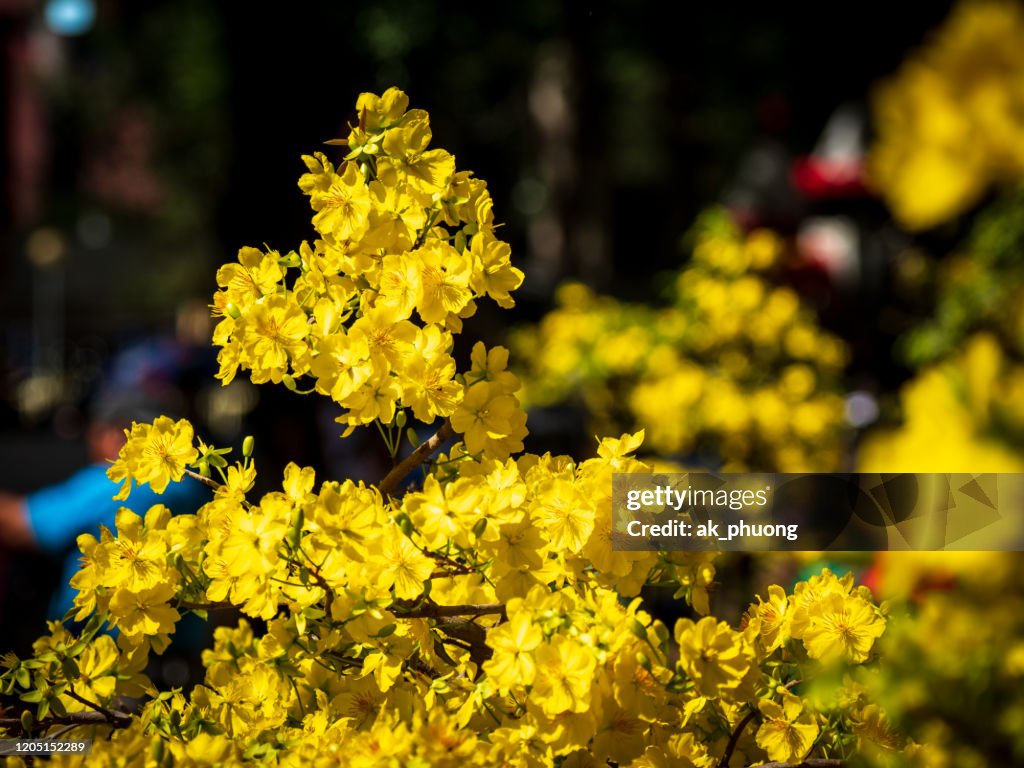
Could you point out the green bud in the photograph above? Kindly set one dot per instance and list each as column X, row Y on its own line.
column 404, row 523
column 400, row 419
column 637, row 628
column 247, row 446
column 295, row 532
column 480, row 527
column 387, row 631
column 289, row 383
column 27, row 721
column 232, row 311
column 643, row 661
column 661, row 632
column 412, row 437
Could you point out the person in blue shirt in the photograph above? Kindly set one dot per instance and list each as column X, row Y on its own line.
column 51, row 519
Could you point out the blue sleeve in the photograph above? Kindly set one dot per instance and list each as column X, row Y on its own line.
column 83, row 502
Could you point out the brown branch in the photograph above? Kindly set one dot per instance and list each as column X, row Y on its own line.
column 110, row 715
column 456, row 622
column 190, row 605
column 456, row 566
column 390, row 482
column 115, row 719
column 734, row 739
column 429, row 610
column 470, row 633
column 814, row 762
column 204, row 480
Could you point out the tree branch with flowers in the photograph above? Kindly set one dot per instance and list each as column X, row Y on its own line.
column 478, row 616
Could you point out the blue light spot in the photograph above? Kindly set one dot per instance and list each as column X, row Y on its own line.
column 70, row 17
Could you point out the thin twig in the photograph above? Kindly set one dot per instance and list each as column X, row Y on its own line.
column 390, row 482
column 814, row 762
column 190, row 605
column 111, row 716
column 120, row 720
column 204, row 480
column 430, row 610
column 734, row 739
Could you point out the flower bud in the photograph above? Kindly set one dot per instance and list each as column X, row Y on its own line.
column 637, row 628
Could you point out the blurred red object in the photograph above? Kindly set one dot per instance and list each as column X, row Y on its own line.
column 820, row 178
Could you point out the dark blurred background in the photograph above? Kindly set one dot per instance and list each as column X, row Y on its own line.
column 141, row 144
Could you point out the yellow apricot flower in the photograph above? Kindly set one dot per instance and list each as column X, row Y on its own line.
column 842, row 626
column 565, row 671
column 787, row 733
column 343, row 208
column 444, row 281
column 771, row 616
column 156, row 454
column 276, row 338
column 146, row 612
column 714, row 656
column 514, row 643
column 404, row 566
column 256, row 274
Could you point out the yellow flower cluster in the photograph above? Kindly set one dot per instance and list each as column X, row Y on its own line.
column 567, row 675
column 951, row 123
column 954, row 662
column 400, row 231
column 477, row 619
column 736, row 365
column 155, row 453
column 131, row 577
column 965, row 414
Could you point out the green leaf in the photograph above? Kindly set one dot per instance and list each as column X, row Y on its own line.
column 439, row 649
column 93, row 626
column 76, row 648
column 58, row 706
column 70, row 668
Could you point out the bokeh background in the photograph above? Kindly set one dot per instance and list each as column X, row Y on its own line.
column 672, row 184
